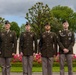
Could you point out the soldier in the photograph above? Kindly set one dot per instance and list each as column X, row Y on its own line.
column 66, row 42
column 48, row 50
column 27, row 39
column 7, row 48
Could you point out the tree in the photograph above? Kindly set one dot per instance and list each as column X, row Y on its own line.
column 15, row 27
column 22, row 28
column 65, row 13
column 38, row 15
column 1, row 23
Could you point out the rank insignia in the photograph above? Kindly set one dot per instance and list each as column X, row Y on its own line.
column 10, row 35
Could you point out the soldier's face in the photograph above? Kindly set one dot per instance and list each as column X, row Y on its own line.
column 47, row 27
column 28, row 28
column 65, row 25
column 7, row 26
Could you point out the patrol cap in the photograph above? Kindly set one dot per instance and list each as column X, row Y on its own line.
column 64, row 21
column 27, row 23
column 7, row 22
column 47, row 24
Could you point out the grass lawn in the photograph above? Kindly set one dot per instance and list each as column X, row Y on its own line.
column 17, row 67
column 38, row 69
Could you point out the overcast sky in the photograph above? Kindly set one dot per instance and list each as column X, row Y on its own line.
column 15, row 10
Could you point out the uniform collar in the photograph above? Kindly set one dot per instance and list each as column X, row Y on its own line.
column 28, row 31
column 47, row 31
column 65, row 29
column 8, row 31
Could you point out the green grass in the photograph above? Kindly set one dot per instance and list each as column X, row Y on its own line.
column 17, row 67
column 39, row 69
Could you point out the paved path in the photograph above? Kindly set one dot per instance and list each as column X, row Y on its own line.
column 37, row 73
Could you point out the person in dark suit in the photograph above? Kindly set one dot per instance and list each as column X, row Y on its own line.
column 48, row 49
column 66, row 42
column 8, row 43
column 27, row 40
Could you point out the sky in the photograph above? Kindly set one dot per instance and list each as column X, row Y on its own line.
column 15, row 10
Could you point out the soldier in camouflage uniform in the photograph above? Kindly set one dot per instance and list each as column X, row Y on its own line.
column 66, row 42
column 27, row 39
column 48, row 49
column 8, row 43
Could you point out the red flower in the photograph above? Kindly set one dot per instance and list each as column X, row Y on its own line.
column 17, row 57
column 74, row 56
column 37, row 58
column 20, row 57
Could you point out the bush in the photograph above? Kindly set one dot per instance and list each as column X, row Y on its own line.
column 36, row 64
column 17, row 61
column 16, row 64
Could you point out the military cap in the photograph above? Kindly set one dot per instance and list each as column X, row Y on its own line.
column 7, row 22
column 64, row 21
column 47, row 24
column 27, row 23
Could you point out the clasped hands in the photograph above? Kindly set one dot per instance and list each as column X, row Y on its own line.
column 65, row 50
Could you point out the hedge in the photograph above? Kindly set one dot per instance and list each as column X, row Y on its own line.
column 35, row 64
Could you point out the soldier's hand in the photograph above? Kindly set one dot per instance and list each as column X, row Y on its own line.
column 34, row 54
column 65, row 50
column 0, row 52
column 39, row 53
column 55, row 56
column 13, row 54
column 21, row 53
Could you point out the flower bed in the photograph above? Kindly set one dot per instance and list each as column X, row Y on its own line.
column 17, row 61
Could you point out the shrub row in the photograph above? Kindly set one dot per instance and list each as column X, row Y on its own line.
column 35, row 64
